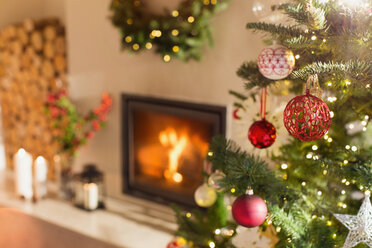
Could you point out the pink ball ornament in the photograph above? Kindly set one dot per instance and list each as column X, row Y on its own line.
column 249, row 210
column 307, row 117
column 276, row 62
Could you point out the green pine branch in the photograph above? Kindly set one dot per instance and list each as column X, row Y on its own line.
column 276, row 30
column 357, row 69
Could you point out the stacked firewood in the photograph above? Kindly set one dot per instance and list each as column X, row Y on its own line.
column 32, row 64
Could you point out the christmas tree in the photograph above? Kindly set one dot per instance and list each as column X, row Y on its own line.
column 321, row 172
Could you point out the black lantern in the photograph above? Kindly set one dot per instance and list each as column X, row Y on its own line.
column 89, row 188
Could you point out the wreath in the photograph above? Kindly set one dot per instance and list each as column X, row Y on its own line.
column 180, row 33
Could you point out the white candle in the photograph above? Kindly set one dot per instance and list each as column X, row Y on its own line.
column 41, row 175
column 23, row 173
column 90, row 196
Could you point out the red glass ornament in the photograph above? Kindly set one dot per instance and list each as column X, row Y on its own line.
column 174, row 244
column 262, row 134
column 249, row 210
column 307, row 117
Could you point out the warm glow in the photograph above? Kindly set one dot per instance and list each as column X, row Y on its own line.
column 176, row 144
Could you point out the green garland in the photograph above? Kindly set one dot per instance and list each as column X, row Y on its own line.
column 180, row 33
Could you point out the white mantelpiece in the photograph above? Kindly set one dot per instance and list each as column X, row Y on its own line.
column 132, row 223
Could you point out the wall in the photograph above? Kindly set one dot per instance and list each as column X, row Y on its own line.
column 96, row 64
column 14, row 11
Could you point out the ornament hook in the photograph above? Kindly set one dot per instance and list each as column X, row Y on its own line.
column 312, row 86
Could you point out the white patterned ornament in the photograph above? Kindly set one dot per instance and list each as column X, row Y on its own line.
column 276, row 62
column 360, row 225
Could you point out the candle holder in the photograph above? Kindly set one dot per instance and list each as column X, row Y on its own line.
column 89, row 189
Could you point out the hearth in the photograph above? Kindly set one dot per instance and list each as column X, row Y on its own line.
column 164, row 146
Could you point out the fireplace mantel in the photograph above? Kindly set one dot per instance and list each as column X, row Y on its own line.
column 129, row 223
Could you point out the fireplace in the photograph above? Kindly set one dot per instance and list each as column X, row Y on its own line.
column 164, row 146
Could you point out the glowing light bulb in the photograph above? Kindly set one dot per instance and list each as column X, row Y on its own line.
column 313, row 37
column 175, row 13
column 284, row 166
column 211, row 244
column 354, row 148
column 347, row 147
column 297, row 56
column 175, row 32
column 303, row 184
column 190, row 19
column 314, row 147
column 343, row 192
column 166, row 58
column 332, row 98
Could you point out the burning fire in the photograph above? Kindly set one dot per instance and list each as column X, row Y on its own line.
column 176, row 144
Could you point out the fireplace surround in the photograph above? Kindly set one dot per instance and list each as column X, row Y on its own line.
column 164, row 144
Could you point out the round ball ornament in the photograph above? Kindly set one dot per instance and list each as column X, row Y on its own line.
column 178, row 242
column 205, row 196
column 215, row 179
column 307, row 117
column 249, row 210
column 262, row 134
column 174, row 244
column 276, row 62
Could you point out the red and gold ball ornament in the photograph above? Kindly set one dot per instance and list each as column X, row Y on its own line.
column 249, row 210
column 276, row 62
column 307, row 117
column 262, row 134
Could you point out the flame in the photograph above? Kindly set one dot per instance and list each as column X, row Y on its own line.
column 176, row 145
